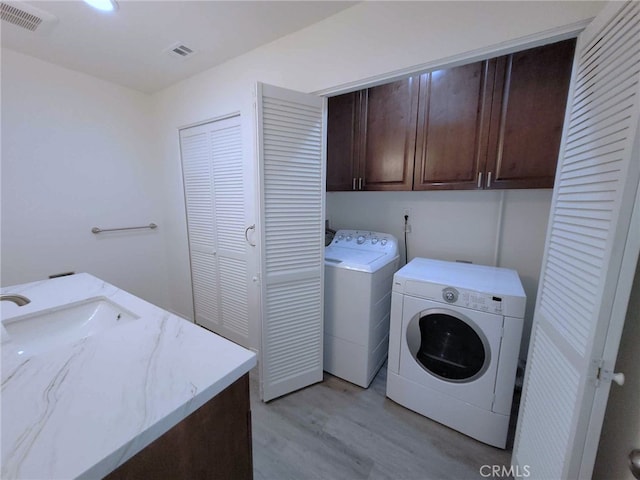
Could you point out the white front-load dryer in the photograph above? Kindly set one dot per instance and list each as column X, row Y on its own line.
column 454, row 342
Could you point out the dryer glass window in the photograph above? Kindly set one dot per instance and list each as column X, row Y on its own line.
column 450, row 348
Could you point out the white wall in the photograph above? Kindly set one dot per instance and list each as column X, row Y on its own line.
column 357, row 46
column 77, row 152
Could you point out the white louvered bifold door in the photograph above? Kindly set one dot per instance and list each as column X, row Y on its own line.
column 213, row 175
column 291, row 157
column 590, row 222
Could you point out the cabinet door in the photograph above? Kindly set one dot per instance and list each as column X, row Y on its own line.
column 529, row 101
column 388, row 135
column 342, row 144
column 453, row 120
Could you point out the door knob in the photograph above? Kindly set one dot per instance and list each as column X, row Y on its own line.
column 634, row 462
column 618, row 378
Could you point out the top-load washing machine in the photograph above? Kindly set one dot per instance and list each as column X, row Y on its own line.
column 359, row 268
column 454, row 344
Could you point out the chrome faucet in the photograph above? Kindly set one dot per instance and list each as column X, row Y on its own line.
column 17, row 299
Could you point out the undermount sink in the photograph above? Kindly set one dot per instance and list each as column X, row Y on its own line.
column 38, row 332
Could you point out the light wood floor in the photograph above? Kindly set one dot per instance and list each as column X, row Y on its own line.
column 335, row 430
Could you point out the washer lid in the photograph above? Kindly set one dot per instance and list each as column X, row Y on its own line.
column 355, row 259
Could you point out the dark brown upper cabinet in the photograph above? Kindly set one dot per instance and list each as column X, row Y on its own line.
column 389, row 115
column 453, row 125
column 485, row 125
column 529, row 101
column 343, row 169
column 371, row 138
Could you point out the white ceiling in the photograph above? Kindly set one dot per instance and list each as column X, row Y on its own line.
column 128, row 47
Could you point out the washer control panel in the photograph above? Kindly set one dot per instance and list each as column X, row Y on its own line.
column 474, row 300
column 366, row 240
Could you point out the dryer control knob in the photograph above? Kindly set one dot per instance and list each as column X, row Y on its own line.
column 383, row 242
column 361, row 239
column 374, row 240
column 349, row 238
column 450, row 295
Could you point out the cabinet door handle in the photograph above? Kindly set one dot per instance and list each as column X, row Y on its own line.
column 360, row 183
column 489, row 180
column 479, row 179
column 354, row 184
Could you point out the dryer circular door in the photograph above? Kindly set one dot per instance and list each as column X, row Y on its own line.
column 448, row 345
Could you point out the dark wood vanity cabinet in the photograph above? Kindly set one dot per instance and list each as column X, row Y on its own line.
column 213, row 443
column 371, row 138
column 527, row 115
column 485, row 125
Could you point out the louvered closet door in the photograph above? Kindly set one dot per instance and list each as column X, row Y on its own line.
column 215, row 200
column 588, row 234
column 291, row 154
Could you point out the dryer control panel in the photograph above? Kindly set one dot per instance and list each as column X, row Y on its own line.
column 493, row 290
column 460, row 297
column 473, row 300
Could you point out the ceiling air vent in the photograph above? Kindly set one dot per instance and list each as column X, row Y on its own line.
column 27, row 17
column 178, row 50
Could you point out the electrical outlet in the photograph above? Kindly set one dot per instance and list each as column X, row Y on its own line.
column 406, row 216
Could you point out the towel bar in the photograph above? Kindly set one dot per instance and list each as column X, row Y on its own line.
column 97, row 230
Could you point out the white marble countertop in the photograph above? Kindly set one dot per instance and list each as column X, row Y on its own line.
column 81, row 410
